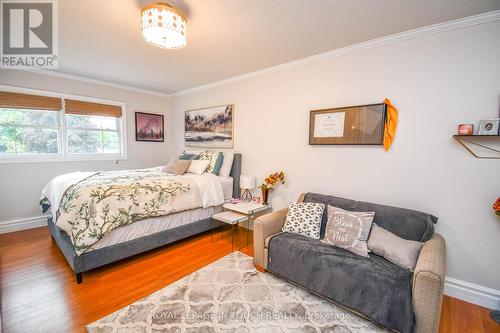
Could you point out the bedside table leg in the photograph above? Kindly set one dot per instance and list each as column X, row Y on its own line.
column 249, row 223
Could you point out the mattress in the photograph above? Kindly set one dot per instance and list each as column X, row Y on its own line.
column 154, row 225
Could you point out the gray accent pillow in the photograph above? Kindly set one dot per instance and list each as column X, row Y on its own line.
column 397, row 250
column 348, row 230
column 304, row 218
column 178, row 167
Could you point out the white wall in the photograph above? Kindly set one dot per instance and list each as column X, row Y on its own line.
column 436, row 82
column 21, row 183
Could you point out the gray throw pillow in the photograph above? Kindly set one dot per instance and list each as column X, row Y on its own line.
column 304, row 218
column 397, row 250
column 178, row 167
column 348, row 230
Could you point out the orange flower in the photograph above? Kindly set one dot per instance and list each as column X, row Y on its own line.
column 496, row 206
column 272, row 180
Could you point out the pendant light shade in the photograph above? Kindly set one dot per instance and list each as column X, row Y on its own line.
column 163, row 26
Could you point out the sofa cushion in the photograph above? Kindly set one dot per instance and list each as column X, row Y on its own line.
column 328, row 200
column 405, row 223
column 268, row 239
column 373, row 287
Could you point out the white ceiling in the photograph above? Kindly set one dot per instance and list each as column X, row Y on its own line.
column 101, row 39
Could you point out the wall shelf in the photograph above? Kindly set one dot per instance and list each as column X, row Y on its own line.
column 481, row 146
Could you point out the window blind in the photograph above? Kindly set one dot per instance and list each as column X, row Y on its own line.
column 26, row 101
column 92, row 109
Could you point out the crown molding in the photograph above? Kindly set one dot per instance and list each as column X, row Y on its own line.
column 410, row 34
column 95, row 81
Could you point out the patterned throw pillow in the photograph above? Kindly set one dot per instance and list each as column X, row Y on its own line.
column 348, row 230
column 304, row 218
column 215, row 159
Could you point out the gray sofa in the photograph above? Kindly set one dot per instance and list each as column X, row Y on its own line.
column 382, row 292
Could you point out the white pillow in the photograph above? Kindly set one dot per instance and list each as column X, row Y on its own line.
column 304, row 218
column 198, row 166
column 227, row 164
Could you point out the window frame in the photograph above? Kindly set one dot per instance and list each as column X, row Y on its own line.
column 64, row 154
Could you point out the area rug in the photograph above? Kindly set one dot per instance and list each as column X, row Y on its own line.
column 230, row 296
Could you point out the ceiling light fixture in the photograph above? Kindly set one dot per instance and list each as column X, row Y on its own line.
column 163, row 26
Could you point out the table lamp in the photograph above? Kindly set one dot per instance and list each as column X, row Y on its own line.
column 247, row 183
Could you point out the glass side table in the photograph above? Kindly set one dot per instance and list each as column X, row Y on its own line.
column 243, row 212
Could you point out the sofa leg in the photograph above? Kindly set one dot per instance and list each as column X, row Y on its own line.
column 79, row 278
column 260, row 269
column 52, row 237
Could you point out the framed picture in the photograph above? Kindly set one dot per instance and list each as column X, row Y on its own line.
column 149, row 127
column 209, row 127
column 351, row 125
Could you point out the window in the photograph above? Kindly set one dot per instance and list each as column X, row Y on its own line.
column 43, row 128
column 29, row 132
column 93, row 134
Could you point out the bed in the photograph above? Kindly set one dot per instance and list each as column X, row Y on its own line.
column 144, row 234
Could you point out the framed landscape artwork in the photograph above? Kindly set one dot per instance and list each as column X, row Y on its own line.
column 149, row 127
column 209, row 127
column 351, row 125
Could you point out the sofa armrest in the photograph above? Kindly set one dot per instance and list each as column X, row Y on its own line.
column 428, row 284
column 265, row 226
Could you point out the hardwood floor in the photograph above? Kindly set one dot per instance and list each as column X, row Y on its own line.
column 39, row 292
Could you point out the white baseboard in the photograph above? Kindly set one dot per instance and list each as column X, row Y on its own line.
column 22, row 224
column 472, row 293
column 466, row 291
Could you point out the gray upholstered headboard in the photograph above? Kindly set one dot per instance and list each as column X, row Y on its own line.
column 235, row 173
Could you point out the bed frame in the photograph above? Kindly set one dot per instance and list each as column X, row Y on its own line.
column 113, row 253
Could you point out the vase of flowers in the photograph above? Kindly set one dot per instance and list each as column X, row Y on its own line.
column 269, row 183
column 496, row 206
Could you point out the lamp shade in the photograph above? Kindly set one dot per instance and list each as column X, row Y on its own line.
column 163, row 26
column 247, row 182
